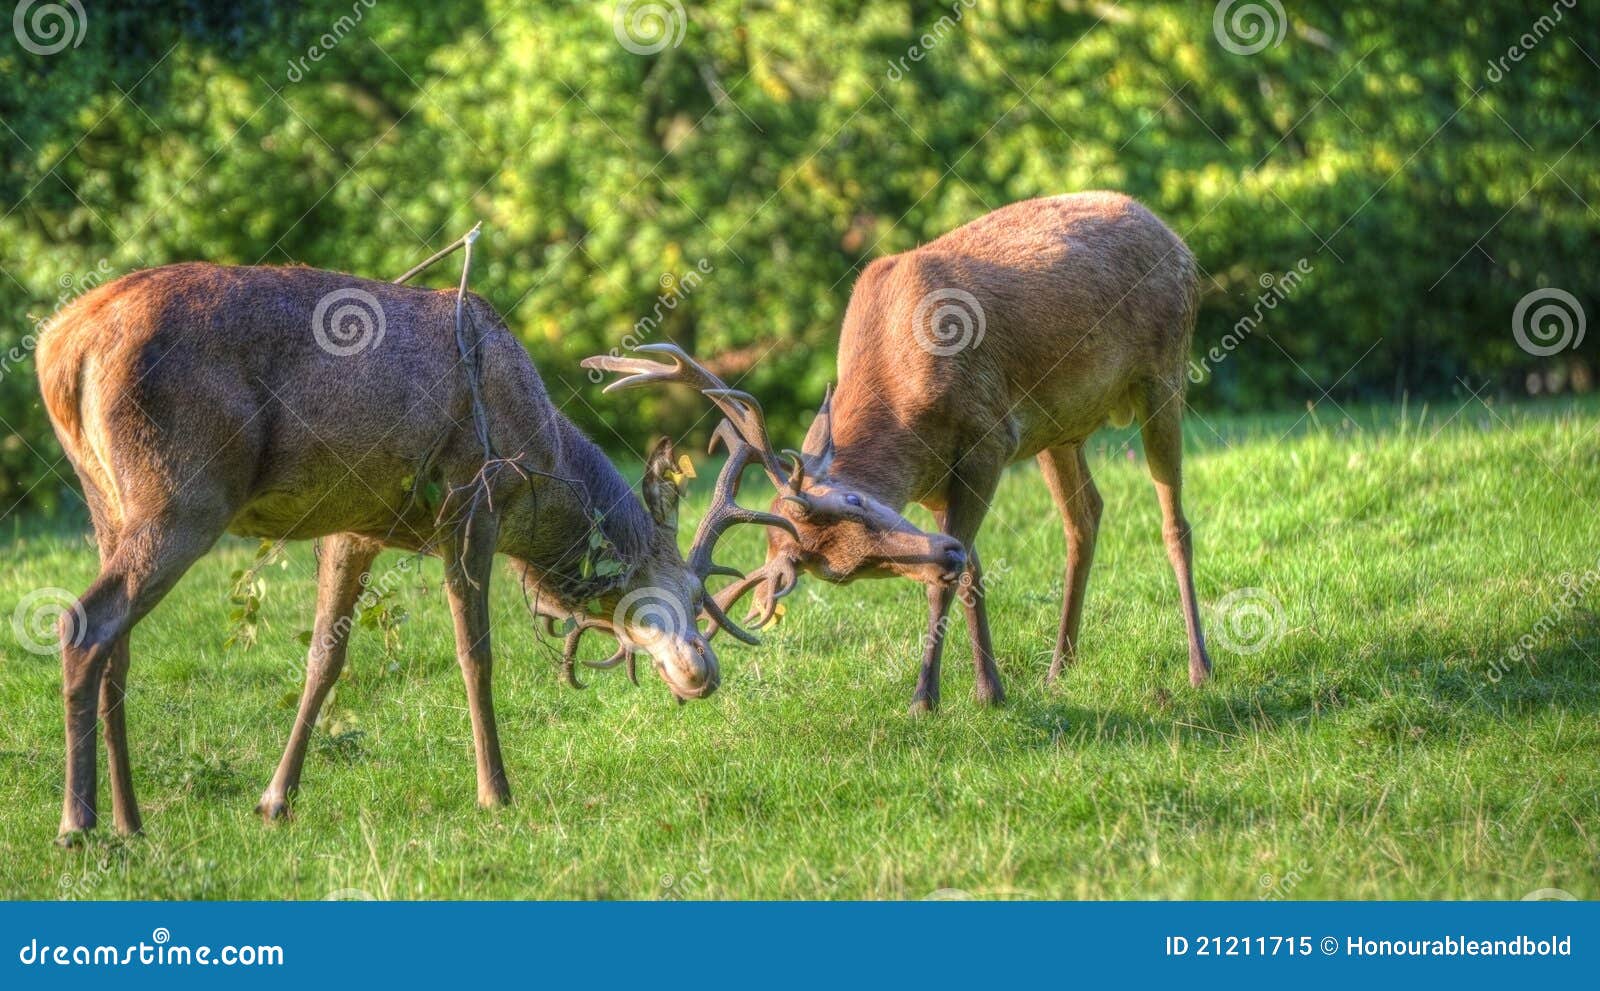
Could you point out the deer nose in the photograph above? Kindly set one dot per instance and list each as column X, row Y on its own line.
column 954, row 559
column 697, row 674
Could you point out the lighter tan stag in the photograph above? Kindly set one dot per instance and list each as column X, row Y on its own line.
column 291, row 403
column 1018, row 335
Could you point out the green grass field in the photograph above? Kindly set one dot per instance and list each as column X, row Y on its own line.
column 1379, row 743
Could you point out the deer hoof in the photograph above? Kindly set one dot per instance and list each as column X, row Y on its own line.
column 989, row 696
column 923, row 706
column 1199, row 671
column 69, row 839
column 273, row 808
column 494, row 799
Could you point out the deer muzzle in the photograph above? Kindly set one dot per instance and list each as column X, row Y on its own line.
column 687, row 664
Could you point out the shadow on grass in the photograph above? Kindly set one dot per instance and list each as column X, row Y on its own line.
column 1394, row 695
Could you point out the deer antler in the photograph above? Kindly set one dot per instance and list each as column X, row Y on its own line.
column 740, row 408
column 569, row 652
column 778, row 575
column 743, row 432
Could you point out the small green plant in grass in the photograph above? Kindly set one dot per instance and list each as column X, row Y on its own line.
column 248, row 592
column 383, row 611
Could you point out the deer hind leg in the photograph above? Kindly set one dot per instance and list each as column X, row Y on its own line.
column 343, row 564
column 1066, row 472
column 468, row 563
column 1163, row 448
column 113, row 686
column 151, row 554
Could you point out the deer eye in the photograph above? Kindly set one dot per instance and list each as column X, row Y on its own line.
column 853, row 499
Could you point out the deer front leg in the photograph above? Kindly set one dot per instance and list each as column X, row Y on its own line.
column 343, row 564
column 926, row 698
column 467, row 569
column 970, row 490
column 985, row 673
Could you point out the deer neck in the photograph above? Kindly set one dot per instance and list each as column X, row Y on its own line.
column 873, row 452
column 572, row 516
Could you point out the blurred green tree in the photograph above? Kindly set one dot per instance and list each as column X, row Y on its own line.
column 715, row 173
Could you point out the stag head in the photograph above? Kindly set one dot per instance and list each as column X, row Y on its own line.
column 842, row 532
column 649, row 605
column 817, row 523
column 743, row 433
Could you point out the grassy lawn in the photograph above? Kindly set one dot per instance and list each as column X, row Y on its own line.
column 1370, row 738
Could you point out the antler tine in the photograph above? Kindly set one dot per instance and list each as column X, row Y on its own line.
column 725, row 511
column 720, row 621
column 569, row 651
column 745, row 414
column 741, row 408
column 781, row 583
column 641, row 371
column 569, row 654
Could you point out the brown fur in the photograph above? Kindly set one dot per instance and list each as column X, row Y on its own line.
column 1088, row 306
column 195, row 400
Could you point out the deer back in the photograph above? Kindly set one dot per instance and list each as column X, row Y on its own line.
column 306, row 397
column 1033, row 324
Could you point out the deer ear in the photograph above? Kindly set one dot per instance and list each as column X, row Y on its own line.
column 818, row 447
column 661, row 486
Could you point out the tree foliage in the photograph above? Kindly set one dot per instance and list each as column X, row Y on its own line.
column 723, row 190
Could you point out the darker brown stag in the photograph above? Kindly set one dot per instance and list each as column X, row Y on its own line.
column 289, row 403
column 1016, row 336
